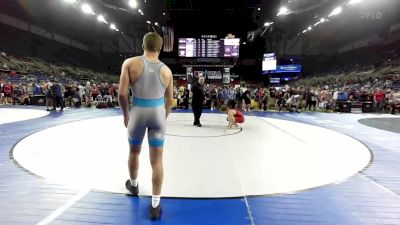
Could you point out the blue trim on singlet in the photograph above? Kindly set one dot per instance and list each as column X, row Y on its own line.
column 148, row 102
column 156, row 142
column 134, row 141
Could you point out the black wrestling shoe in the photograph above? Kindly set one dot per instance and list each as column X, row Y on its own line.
column 134, row 191
column 155, row 213
column 199, row 125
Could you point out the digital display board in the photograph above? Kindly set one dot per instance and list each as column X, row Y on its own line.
column 209, row 47
column 275, row 80
column 295, row 68
column 269, row 62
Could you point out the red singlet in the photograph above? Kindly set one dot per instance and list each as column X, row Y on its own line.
column 239, row 117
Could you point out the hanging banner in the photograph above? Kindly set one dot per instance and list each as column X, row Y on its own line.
column 227, row 76
column 213, row 74
column 189, row 74
column 168, row 34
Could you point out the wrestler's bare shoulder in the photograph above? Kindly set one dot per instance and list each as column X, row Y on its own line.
column 133, row 60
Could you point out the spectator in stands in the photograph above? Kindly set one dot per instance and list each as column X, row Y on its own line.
column 111, row 91
column 81, row 91
column 104, row 89
column 23, row 87
column 281, row 97
column 207, row 97
column 315, row 97
column 379, row 98
column 75, row 97
column 310, row 96
column 37, row 90
column 343, row 95
column 181, row 97
column 88, row 94
column 58, row 95
column 29, row 90
column 95, row 91
column 352, row 95
column 293, row 102
column 49, row 98
column 186, row 99
column 1, row 92
column 272, row 98
column 18, row 92
column 116, row 94
column 8, row 90
column 371, row 95
column 395, row 102
column 238, row 99
column 231, row 97
column 326, row 98
column 307, row 96
column 289, row 92
column 214, row 97
column 176, row 91
column 390, row 101
column 25, row 99
column 68, row 95
column 363, row 97
column 222, row 96
column 246, row 99
column 263, row 97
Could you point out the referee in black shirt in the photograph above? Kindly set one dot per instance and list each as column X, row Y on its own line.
column 198, row 100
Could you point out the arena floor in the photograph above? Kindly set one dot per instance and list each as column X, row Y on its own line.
column 278, row 168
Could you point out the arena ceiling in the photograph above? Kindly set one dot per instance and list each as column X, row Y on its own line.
column 196, row 17
column 188, row 17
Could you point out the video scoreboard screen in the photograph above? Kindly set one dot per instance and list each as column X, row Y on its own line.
column 269, row 62
column 270, row 65
column 208, row 47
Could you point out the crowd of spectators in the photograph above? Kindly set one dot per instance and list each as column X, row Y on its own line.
column 383, row 95
column 31, row 81
column 377, row 85
column 55, row 94
column 293, row 99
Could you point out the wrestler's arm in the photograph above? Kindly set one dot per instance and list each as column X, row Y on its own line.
column 123, row 90
column 169, row 92
column 231, row 118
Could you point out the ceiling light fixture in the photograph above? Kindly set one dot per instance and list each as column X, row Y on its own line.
column 353, row 2
column 86, row 8
column 336, row 11
column 133, row 4
column 70, row 1
column 101, row 18
column 283, row 11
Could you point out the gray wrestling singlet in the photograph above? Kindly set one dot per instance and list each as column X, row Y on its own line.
column 148, row 110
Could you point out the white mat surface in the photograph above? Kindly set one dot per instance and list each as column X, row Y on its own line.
column 269, row 156
column 8, row 115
